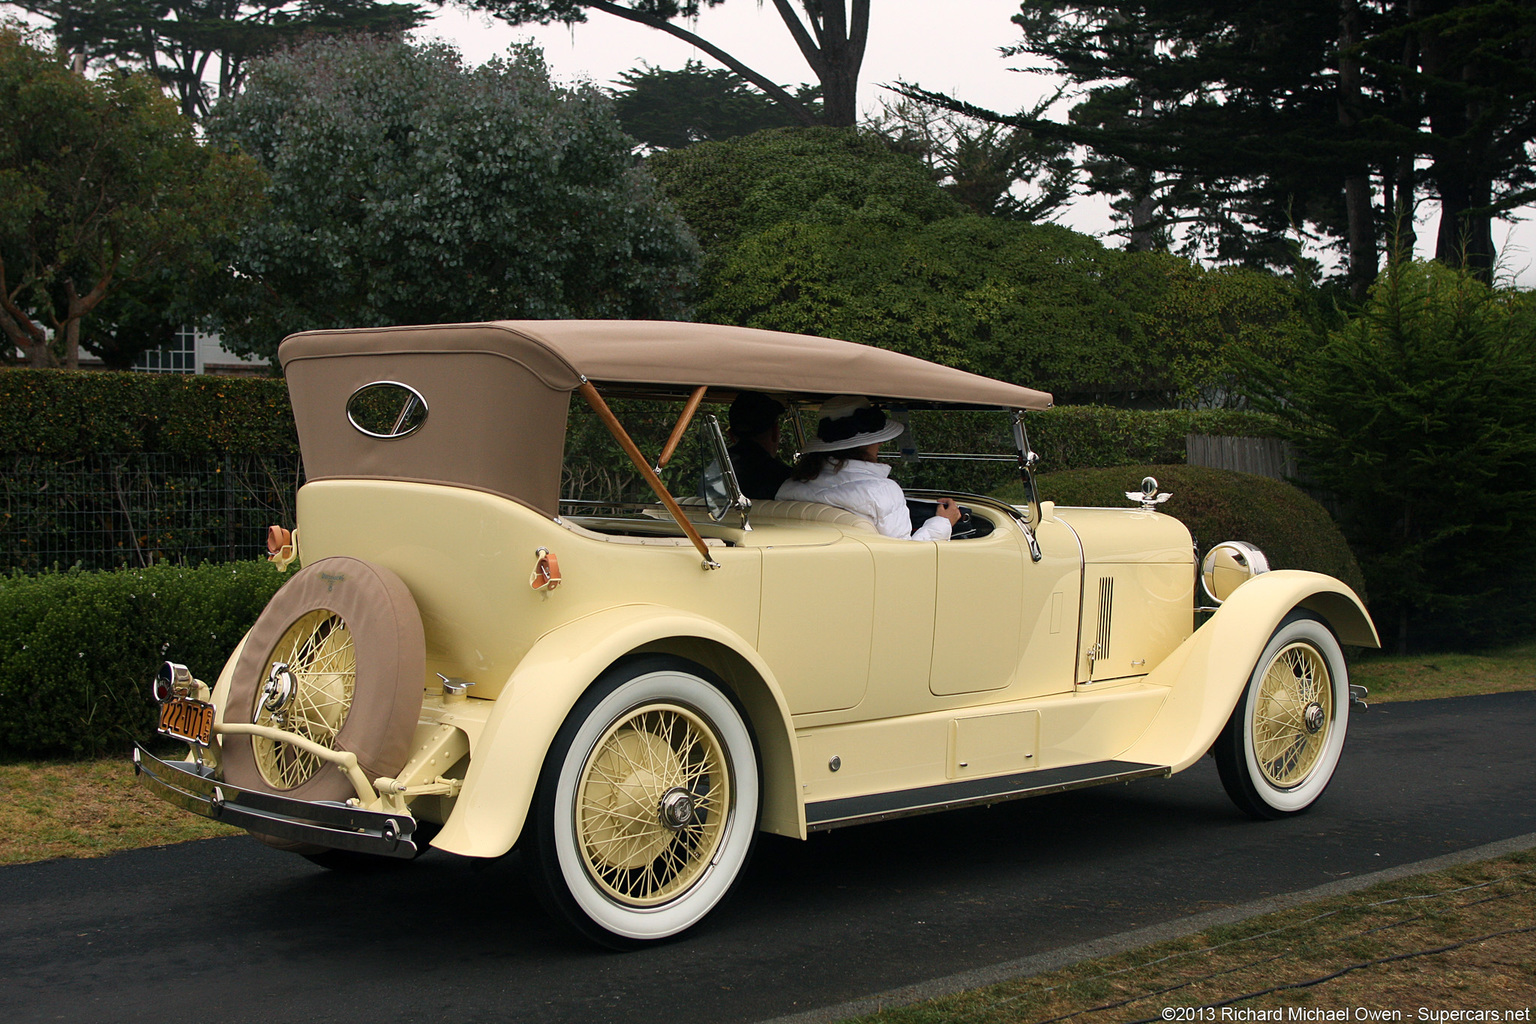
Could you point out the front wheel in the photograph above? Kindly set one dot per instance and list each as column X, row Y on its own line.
column 1279, row 749
column 646, row 809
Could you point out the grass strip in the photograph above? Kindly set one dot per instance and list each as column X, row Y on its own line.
column 1461, row 938
column 1428, row 676
column 86, row 809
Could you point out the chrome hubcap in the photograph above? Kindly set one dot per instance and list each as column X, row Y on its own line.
column 277, row 693
column 1313, row 717
column 676, row 809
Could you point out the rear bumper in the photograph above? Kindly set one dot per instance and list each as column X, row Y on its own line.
column 336, row 826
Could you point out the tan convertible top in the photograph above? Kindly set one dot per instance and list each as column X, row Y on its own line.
column 498, row 393
column 656, row 352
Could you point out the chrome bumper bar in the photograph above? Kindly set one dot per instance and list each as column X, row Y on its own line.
column 337, row 826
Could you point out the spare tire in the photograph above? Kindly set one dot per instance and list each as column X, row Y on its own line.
column 338, row 656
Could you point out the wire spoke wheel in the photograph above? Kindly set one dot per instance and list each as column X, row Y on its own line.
column 1282, row 742
column 309, row 691
column 1292, row 715
column 650, row 804
column 647, row 806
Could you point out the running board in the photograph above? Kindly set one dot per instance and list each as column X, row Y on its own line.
column 857, row 810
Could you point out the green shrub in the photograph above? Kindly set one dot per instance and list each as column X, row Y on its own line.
column 1417, row 415
column 1292, row 530
column 79, row 649
column 106, row 469
column 58, row 412
column 727, row 190
column 1035, row 304
column 1066, row 437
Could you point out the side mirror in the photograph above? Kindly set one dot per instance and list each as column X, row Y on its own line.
column 719, row 488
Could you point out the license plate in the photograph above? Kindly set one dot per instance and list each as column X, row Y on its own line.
column 186, row 719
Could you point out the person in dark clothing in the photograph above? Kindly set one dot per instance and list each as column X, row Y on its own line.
column 754, row 425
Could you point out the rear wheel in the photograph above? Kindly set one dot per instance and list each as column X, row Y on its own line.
column 646, row 809
column 1279, row 749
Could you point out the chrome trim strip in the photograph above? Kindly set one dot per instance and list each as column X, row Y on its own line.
column 1082, row 600
column 337, row 826
column 859, row 810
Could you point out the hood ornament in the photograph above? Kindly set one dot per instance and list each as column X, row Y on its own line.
column 1148, row 497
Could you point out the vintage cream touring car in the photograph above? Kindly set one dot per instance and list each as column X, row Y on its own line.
column 630, row 696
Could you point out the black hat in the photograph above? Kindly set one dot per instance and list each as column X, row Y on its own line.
column 753, row 413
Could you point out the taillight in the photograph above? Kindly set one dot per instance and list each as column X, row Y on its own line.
column 169, row 679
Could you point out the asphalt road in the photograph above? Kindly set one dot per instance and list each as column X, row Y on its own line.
column 226, row 930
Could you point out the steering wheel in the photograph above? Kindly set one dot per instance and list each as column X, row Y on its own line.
column 968, row 525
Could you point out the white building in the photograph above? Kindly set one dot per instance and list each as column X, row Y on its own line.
column 196, row 352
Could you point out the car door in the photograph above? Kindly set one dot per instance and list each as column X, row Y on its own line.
column 978, row 614
column 817, row 620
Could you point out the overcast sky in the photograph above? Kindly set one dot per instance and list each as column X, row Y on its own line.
column 955, row 51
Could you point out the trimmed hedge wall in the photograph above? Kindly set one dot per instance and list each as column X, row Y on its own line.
column 51, row 421
column 79, row 649
column 1292, row 530
column 68, row 413
column 1066, row 437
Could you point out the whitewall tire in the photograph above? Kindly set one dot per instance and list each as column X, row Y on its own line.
column 646, row 810
column 1279, row 749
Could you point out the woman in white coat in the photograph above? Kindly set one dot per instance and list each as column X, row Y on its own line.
column 841, row 467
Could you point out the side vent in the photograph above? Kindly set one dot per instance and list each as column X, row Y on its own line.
column 1100, row 651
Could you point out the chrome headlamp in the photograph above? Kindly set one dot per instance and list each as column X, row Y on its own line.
column 1228, row 566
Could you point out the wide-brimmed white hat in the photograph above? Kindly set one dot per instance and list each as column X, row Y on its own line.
column 848, row 421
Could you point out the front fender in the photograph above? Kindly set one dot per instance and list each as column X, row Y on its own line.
column 491, row 808
column 1206, row 675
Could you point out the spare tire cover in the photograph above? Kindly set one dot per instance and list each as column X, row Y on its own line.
column 390, row 651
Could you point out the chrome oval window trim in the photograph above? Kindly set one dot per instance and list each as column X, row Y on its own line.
column 386, row 409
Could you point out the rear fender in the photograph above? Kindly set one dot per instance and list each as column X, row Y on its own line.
column 491, row 809
column 1206, row 674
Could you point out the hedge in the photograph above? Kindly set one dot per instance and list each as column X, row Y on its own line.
column 79, row 649
column 68, row 413
column 51, row 414
column 1065, row 437
column 1292, row 530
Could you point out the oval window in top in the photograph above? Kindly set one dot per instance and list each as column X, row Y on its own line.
column 387, row 409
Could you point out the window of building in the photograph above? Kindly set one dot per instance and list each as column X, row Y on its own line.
column 180, row 356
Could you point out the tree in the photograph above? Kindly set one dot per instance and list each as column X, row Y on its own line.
column 407, row 188
column 1417, row 416
column 1247, row 118
column 101, row 182
column 831, row 36
column 673, row 109
column 1036, row 304
column 983, row 165
column 200, row 49
column 728, row 190
column 143, row 314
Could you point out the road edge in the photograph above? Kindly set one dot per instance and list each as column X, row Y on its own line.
column 1124, row 942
